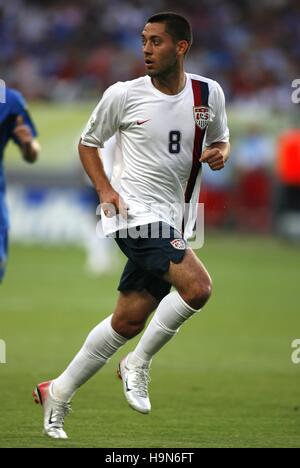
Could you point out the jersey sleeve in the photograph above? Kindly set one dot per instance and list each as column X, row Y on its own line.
column 106, row 118
column 20, row 108
column 217, row 130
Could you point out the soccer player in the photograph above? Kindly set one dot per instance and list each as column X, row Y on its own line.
column 17, row 125
column 168, row 124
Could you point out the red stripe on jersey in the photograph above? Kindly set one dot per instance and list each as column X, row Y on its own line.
column 198, row 140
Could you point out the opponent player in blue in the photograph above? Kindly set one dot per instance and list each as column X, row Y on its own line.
column 16, row 125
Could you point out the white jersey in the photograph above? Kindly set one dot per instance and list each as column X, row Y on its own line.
column 160, row 138
column 108, row 156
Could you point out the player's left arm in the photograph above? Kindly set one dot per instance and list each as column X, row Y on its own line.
column 217, row 147
column 23, row 135
column 216, row 155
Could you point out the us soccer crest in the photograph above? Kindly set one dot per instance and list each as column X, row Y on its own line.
column 202, row 116
column 178, row 244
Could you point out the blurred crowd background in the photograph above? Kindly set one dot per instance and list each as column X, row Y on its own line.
column 63, row 55
column 73, row 49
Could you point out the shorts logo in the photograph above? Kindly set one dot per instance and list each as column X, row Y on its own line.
column 178, row 244
column 202, row 116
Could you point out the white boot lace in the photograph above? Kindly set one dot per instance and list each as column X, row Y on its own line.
column 141, row 380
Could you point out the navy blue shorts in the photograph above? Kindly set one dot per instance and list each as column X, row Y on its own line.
column 3, row 252
column 149, row 249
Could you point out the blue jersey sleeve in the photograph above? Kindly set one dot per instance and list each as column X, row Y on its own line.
column 20, row 108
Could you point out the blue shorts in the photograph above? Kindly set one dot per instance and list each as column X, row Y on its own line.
column 149, row 257
column 3, row 252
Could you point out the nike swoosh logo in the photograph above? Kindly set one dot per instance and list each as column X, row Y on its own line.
column 141, row 122
column 127, row 388
column 50, row 418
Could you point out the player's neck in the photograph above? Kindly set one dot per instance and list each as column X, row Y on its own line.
column 170, row 84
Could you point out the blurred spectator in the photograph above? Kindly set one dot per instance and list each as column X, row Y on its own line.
column 216, row 194
column 253, row 158
column 288, row 175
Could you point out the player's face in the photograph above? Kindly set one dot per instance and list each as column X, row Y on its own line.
column 160, row 50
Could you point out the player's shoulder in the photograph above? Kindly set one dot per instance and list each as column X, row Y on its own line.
column 212, row 84
column 123, row 87
column 14, row 97
column 215, row 91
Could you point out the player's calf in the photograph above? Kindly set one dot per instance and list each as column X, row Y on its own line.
column 132, row 311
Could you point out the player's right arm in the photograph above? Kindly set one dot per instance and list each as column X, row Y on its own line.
column 29, row 145
column 111, row 202
column 24, row 133
column 104, row 122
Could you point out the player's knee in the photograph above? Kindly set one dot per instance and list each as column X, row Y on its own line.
column 199, row 293
column 127, row 328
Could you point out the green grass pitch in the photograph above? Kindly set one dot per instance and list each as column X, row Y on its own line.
column 226, row 380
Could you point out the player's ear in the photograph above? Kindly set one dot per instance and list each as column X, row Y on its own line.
column 182, row 47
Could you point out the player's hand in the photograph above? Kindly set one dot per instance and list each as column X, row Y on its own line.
column 22, row 131
column 112, row 204
column 214, row 158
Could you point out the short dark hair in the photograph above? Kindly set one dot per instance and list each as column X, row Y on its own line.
column 177, row 26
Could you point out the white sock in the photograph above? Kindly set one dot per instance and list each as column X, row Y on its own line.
column 171, row 313
column 99, row 346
